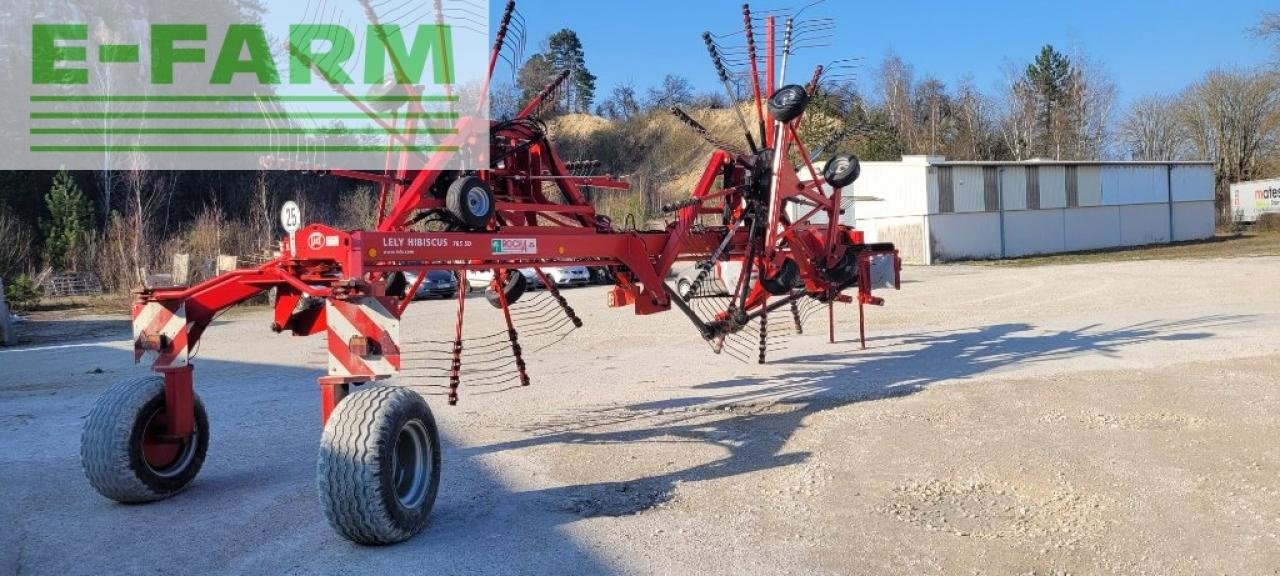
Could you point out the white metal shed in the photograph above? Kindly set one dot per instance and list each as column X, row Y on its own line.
column 936, row 210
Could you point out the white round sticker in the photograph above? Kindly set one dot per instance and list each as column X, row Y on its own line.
column 291, row 217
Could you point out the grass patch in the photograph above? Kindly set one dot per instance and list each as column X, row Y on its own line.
column 1223, row 246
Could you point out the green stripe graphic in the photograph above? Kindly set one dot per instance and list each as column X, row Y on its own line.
column 236, row 116
column 240, row 98
column 235, row 131
column 237, row 149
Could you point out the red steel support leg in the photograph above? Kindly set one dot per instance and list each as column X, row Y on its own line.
column 455, row 371
column 764, row 332
column 862, row 323
column 332, row 391
column 831, row 322
column 179, row 401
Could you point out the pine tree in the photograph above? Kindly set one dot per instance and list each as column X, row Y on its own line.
column 1050, row 78
column 565, row 52
column 70, row 220
column 533, row 77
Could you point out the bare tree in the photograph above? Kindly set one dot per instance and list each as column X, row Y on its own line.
column 895, row 85
column 973, row 125
column 15, row 251
column 131, row 239
column 1151, row 130
column 261, row 223
column 1269, row 29
column 504, row 101
column 1019, row 123
column 932, row 115
column 1091, row 96
column 674, row 91
column 1233, row 117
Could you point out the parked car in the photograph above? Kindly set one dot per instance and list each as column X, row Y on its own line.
column 482, row 279
column 437, row 284
column 722, row 281
column 562, row 277
column 569, row 276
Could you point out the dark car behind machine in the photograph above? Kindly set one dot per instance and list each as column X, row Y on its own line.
column 438, row 284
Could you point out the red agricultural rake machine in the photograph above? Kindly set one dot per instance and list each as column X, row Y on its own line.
column 767, row 209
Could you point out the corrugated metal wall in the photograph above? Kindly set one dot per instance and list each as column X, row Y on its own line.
column 975, row 211
column 1126, row 185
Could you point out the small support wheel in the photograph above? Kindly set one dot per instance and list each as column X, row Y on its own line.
column 845, row 271
column 471, row 201
column 514, row 288
column 684, row 288
column 842, row 171
column 379, row 466
column 784, row 280
column 126, row 453
column 789, row 103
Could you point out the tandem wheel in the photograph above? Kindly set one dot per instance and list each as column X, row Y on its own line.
column 125, row 448
column 379, row 465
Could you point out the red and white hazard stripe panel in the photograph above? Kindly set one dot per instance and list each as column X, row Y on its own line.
column 364, row 339
column 161, row 327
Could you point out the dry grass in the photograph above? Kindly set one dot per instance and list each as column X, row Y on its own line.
column 1267, row 223
column 107, row 304
column 1224, row 246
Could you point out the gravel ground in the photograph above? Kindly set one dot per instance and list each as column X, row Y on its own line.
column 1104, row 418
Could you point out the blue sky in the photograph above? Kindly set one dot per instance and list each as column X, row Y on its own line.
column 1146, row 46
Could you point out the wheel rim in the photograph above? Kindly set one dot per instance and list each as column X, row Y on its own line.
column 478, row 202
column 164, row 456
column 411, row 464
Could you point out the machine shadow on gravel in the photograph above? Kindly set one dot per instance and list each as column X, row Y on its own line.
column 755, row 425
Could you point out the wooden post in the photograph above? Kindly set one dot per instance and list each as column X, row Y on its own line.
column 226, row 264
column 7, row 335
column 181, row 269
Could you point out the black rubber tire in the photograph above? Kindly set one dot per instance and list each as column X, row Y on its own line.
column 514, row 288
column 842, row 171
column 845, row 271
column 471, row 201
column 356, row 471
column 398, row 285
column 784, row 281
column 788, row 103
column 111, row 444
column 880, row 247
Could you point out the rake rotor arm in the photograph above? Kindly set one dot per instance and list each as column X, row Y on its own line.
column 543, row 95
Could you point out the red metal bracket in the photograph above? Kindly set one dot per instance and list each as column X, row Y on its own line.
column 179, row 400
